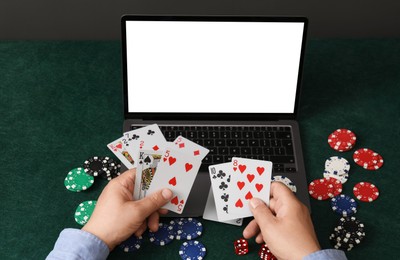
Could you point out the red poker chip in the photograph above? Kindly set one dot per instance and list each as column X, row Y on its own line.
column 365, row 157
column 366, row 191
column 321, row 189
column 337, row 185
column 342, row 140
column 377, row 164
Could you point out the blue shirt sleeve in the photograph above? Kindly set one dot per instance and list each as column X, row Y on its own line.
column 326, row 254
column 74, row 244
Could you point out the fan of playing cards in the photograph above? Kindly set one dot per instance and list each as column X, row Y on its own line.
column 174, row 165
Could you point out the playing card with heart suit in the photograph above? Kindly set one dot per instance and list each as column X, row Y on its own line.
column 145, row 172
column 184, row 145
column 176, row 171
column 220, row 176
column 119, row 149
column 146, row 138
column 250, row 178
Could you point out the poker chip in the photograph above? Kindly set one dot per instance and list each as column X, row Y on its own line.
column 84, row 211
column 337, row 165
column 342, row 140
column 344, row 205
column 131, row 244
column 111, row 170
column 191, row 250
column 347, row 234
column 188, row 228
column 365, row 191
column 321, row 189
column 95, row 166
column 286, row 181
column 163, row 236
column 337, row 185
column 368, row 159
column 77, row 180
column 341, row 178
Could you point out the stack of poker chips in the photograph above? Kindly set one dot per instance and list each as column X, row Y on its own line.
column 368, row 159
column 103, row 167
column 342, row 140
column 347, row 234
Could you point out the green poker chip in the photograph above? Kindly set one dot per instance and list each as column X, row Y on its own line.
column 78, row 180
column 84, row 211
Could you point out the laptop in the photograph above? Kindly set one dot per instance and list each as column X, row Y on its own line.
column 228, row 83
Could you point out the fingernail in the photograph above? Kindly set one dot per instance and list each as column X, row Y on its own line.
column 167, row 194
column 254, row 202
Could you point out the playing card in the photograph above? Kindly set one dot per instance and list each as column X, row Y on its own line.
column 145, row 171
column 250, row 178
column 176, row 171
column 210, row 212
column 220, row 175
column 186, row 146
column 145, row 138
column 119, row 149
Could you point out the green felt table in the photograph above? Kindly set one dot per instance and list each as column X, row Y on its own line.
column 61, row 102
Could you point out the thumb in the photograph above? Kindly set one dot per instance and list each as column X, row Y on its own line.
column 151, row 203
column 261, row 212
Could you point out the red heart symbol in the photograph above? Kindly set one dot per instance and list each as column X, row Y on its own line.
column 164, row 159
column 248, row 196
column 119, row 146
column 181, row 202
column 171, row 160
column 239, row 204
column 259, row 186
column 175, row 200
column 234, row 168
column 181, row 145
column 155, row 148
column 172, row 181
column 260, row 170
column 242, row 168
column 250, row 177
column 240, row 184
column 197, row 152
column 188, row 167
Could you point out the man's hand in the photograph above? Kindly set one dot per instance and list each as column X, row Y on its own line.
column 117, row 216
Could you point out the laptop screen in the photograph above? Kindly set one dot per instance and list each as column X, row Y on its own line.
column 212, row 66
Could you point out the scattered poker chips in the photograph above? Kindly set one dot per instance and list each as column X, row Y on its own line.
column 188, row 228
column 347, row 234
column 164, row 235
column 77, row 180
column 342, row 140
column 286, row 181
column 191, row 250
column 325, row 188
column 338, row 168
column 365, row 191
column 84, row 211
column 368, row 159
column 131, row 244
column 344, row 205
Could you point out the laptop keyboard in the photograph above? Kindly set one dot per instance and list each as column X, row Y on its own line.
column 224, row 142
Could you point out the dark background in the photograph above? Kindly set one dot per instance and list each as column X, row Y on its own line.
column 99, row 19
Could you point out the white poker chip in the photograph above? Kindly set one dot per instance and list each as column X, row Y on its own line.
column 342, row 178
column 286, row 181
column 336, row 165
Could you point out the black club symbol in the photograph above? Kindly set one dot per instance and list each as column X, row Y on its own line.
column 225, row 209
column 225, row 197
column 150, row 132
column 229, row 179
column 223, row 186
column 134, row 137
column 221, row 174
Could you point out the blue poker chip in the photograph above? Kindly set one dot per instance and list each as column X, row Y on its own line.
column 188, row 228
column 344, row 205
column 191, row 250
column 164, row 235
column 131, row 244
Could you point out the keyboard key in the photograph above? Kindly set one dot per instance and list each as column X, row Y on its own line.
column 234, row 151
column 276, row 143
column 245, row 150
column 254, row 142
column 223, row 150
column 220, row 142
column 225, row 135
column 209, row 142
column 278, row 170
column 236, row 135
column 282, row 159
column 243, row 143
column 192, row 134
column 265, row 143
column 231, row 142
column 283, row 135
column 207, row 160
column 268, row 151
column 269, row 135
column 217, row 159
column 256, row 150
column 279, row 151
column 247, row 135
column 290, row 169
column 203, row 134
column 258, row 135
column 214, row 134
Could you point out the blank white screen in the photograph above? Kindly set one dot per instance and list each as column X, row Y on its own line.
column 212, row 67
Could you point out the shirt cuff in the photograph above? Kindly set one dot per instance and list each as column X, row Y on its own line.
column 327, row 254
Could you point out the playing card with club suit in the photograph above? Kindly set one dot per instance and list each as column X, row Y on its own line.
column 119, row 149
column 145, row 171
column 220, row 176
column 176, row 171
column 146, row 138
column 184, row 145
column 250, row 178
column 210, row 212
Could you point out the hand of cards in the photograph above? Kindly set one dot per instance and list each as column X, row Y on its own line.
column 160, row 164
column 174, row 165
